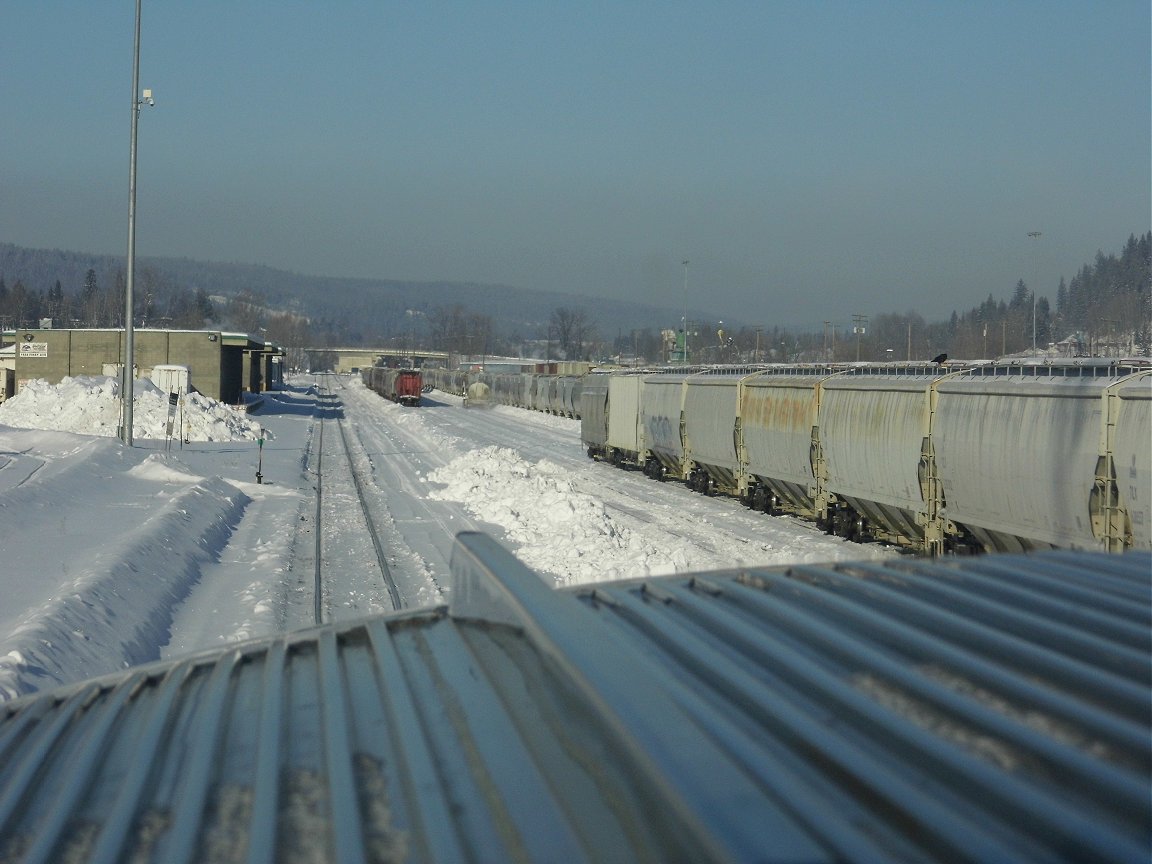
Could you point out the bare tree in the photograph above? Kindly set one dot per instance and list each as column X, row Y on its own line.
column 293, row 334
column 246, row 311
column 572, row 331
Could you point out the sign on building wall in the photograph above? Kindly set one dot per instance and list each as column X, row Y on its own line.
column 33, row 349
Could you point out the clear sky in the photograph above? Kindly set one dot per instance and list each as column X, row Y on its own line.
column 811, row 159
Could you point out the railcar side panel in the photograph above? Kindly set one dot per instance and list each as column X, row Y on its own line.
column 1017, row 458
column 570, row 396
column 554, row 396
column 531, row 382
column 624, row 429
column 711, row 408
column 661, row 409
column 777, row 415
column 408, row 387
column 594, row 413
column 1132, row 454
column 540, row 392
column 872, row 432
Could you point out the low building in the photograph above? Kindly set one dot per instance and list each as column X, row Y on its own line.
column 7, row 371
column 221, row 365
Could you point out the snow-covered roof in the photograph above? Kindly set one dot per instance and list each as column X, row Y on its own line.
column 991, row 709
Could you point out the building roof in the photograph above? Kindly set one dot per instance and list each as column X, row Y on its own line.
column 988, row 709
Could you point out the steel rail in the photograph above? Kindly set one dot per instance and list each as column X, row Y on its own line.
column 381, row 557
column 318, row 580
column 369, row 521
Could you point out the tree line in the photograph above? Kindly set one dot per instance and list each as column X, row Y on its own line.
column 99, row 302
column 1105, row 309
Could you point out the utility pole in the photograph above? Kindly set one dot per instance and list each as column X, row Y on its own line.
column 684, row 352
column 128, row 377
column 1035, row 235
column 859, row 327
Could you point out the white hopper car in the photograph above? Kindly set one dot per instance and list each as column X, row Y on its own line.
column 997, row 457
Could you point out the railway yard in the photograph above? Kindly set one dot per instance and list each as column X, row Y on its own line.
column 297, row 548
column 299, row 645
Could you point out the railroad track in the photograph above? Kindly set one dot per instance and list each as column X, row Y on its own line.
column 330, row 412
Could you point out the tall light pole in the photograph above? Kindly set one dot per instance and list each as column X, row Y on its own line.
column 1035, row 235
column 684, row 352
column 859, row 327
column 138, row 99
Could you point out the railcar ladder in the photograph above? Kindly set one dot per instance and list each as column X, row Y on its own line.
column 1111, row 524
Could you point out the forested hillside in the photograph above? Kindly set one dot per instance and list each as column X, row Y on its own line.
column 1106, row 305
column 82, row 290
column 1103, row 308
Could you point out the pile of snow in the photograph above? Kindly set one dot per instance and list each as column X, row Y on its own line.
column 557, row 528
column 90, row 405
column 115, row 605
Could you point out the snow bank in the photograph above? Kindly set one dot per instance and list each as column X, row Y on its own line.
column 558, row 529
column 120, row 607
column 90, row 405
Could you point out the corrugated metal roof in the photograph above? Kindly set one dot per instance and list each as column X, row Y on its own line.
column 983, row 709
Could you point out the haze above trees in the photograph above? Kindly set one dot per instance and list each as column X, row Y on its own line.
column 1104, row 308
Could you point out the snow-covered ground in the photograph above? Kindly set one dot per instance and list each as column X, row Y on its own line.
column 114, row 556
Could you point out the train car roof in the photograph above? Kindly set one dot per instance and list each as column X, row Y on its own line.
column 988, row 709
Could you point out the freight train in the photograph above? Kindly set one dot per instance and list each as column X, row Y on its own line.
column 552, row 394
column 935, row 458
column 993, row 457
column 405, row 386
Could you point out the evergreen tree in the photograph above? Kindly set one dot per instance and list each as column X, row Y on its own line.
column 204, row 307
column 55, row 301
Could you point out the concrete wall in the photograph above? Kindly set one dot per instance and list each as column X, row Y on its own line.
column 52, row 355
column 203, row 357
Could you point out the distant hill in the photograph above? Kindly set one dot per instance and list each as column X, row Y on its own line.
column 351, row 311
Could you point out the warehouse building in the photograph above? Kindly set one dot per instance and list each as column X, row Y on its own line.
column 221, row 365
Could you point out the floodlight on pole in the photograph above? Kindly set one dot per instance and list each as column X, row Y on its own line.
column 684, row 350
column 859, row 327
column 1035, row 235
column 127, row 376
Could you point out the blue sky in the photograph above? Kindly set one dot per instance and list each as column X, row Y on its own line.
column 811, row 159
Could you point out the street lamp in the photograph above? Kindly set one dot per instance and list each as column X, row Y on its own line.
column 684, row 353
column 1035, row 235
column 138, row 99
column 859, row 327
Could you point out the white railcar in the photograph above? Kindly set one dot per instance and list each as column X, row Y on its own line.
column 778, row 424
column 625, row 432
column 1132, row 457
column 874, row 439
column 661, row 412
column 594, row 414
column 711, row 424
column 1020, row 455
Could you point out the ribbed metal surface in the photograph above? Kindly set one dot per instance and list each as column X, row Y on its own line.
column 981, row 709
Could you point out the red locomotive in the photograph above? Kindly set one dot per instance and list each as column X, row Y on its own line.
column 400, row 385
